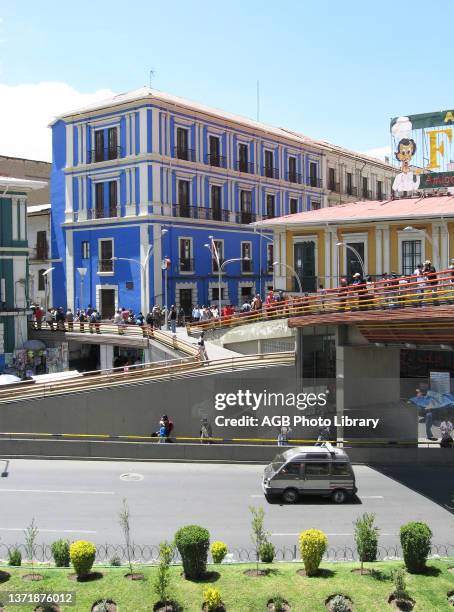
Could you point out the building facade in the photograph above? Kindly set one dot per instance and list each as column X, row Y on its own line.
column 39, row 231
column 14, row 298
column 30, row 169
column 366, row 237
column 148, row 177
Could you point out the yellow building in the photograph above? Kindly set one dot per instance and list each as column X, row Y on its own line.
column 319, row 246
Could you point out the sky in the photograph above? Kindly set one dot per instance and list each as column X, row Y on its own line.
column 332, row 70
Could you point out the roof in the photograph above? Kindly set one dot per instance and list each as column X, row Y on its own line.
column 21, row 183
column 148, row 94
column 406, row 208
column 38, row 208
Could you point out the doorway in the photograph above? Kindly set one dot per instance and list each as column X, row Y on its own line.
column 304, row 258
column 107, row 303
column 186, row 301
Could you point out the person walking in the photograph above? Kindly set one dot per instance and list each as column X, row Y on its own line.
column 446, row 429
column 203, row 355
column 430, row 273
column 173, row 319
column 39, row 314
column 70, row 319
column 50, row 319
column 205, row 431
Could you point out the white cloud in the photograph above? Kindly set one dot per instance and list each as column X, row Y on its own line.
column 379, row 152
column 28, row 109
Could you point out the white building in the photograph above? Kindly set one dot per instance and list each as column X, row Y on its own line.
column 38, row 218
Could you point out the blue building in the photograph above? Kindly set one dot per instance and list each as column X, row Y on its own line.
column 147, row 177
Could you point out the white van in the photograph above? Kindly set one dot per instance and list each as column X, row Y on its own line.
column 310, row 470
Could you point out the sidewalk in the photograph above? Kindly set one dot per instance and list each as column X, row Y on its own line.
column 214, row 351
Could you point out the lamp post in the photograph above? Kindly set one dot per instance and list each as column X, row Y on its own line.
column 436, row 252
column 293, row 271
column 269, row 240
column 143, row 270
column 46, row 286
column 358, row 256
column 82, row 273
column 165, row 266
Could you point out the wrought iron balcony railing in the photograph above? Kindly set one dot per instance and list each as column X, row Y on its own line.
column 184, row 153
column 351, row 191
column 245, row 217
column 200, row 212
column 39, row 252
column 244, row 166
column 219, row 161
column 185, row 264
column 294, row 177
column 270, row 172
column 104, row 154
column 314, row 181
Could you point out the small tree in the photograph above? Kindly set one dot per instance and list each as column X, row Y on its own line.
column 259, row 535
column 366, row 538
column 162, row 580
column 124, row 518
column 400, row 583
column 31, row 534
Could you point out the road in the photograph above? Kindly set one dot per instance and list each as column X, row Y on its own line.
column 82, row 499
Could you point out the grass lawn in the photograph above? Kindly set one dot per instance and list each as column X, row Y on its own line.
column 247, row 594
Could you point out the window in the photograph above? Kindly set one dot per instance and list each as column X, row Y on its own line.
column 313, row 181
column 331, row 179
column 292, row 169
column 291, row 469
column 99, row 200
column 112, row 137
column 182, row 149
column 41, row 245
column 219, row 244
column 293, row 206
column 270, row 206
column 317, row 469
column 315, row 205
column 411, row 256
column 214, row 156
column 105, row 263
column 110, row 150
column 270, row 171
column 242, row 158
column 379, row 190
column 341, row 469
column 270, row 257
column 365, row 187
column 246, row 257
column 99, row 145
column 349, row 183
column 41, row 280
column 246, row 206
column 85, row 247
column 216, row 202
column 215, row 293
column 185, row 250
column 183, row 198
column 113, row 198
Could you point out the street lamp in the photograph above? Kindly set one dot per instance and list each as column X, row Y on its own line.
column 293, row 271
column 358, row 256
column 46, row 286
column 260, row 262
column 435, row 250
column 143, row 268
column 82, row 273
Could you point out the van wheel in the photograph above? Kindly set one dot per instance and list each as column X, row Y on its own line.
column 290, row 496
column 339, row 496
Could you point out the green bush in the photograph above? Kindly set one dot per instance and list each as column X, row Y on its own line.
column 115, row 561
column 82, row 555
column 14, row 557
column 415, row 540
column 339, row 603
column 60, row 553
column 313, row 544
column 193, row 543
column 278, row 603
column 400, row 583
column 218, row 551
column 366, row 538
column 212, row 599
column 267, row 552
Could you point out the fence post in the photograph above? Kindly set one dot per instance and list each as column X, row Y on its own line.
column 294, row 552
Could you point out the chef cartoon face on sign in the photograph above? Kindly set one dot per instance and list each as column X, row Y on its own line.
column 406, row 148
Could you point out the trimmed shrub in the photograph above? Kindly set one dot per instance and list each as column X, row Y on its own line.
column 415, row 540
column 60, row 553
column 400, row 583
column 193, row 543
column 313, row 544
column 14, row 557
column 212, row 599
column 267, row 552
column 339, row 603
column 115, row 561
column 218, row 551
column 82, row 554
column 366, row 538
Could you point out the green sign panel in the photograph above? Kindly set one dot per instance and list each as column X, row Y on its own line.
column 436, row 180
column 427, row 120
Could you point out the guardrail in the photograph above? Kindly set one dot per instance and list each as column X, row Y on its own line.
column 387, row 294
column 143, row 331
column 90, row 381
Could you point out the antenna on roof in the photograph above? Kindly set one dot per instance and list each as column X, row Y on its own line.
column 258, row 100
column 152, row 72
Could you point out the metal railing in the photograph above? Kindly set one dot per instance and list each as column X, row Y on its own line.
column 245, row 217
column 184, row 153
column 200, row 212
column 244, row 166
column 219, row 161
column 270, row 172
column 351, row 191
column 392, row 293
column 334, row 187
column 294, row 177
column 313, row 181
column 39, row 253
column 98, row 379
column 104, row 154
column 185, row 264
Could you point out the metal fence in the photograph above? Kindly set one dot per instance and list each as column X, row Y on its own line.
column 149, row 553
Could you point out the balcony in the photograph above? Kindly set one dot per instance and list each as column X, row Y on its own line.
column 270, row 172
column 98, row 213
column 351, row 191
column 334, row 187
column 314, row 181
column 39, row 252
column 199, row 212
column 381, row 197
column 294, row 177
column 106, row 154
column 244, row 166
column 183, row 153
column 367, row 194
column 245, row 217
column 216, row 160
column 185, row 264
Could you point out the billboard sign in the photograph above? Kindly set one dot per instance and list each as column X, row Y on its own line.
column 423, row 144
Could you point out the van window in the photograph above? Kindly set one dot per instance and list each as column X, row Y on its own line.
column 341, row 469
column 317, row 469
column 291, row 469
column 277, row 462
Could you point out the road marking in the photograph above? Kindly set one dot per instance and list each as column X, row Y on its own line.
column 56, row 491
column 257, row 496
column 49, row 530
column 371, row 497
